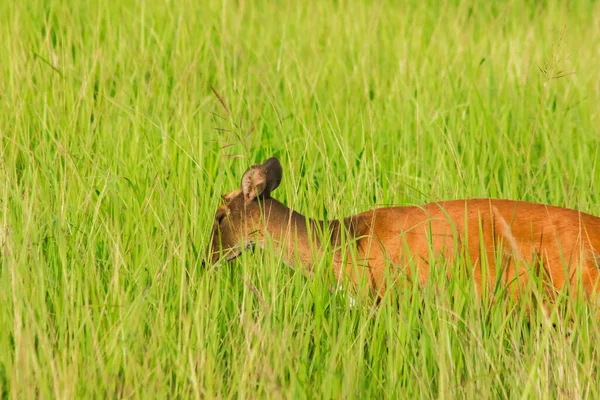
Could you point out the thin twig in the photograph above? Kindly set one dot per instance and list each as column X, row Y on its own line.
column 253, row 289
column 221, row 100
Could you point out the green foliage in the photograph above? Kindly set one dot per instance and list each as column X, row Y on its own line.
column 121, row 123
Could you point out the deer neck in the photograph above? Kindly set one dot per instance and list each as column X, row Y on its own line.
column 296, row 239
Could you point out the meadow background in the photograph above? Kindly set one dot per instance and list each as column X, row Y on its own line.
column 114, row 151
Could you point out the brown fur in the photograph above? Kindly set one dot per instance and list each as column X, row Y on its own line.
column 503, row 241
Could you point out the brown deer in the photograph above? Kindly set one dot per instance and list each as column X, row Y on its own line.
column 501, row 241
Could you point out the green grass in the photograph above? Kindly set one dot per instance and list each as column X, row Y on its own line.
column 113, row 157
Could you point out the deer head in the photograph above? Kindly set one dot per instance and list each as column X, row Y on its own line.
column 238, row 220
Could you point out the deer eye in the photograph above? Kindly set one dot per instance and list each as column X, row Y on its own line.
column 220, row 215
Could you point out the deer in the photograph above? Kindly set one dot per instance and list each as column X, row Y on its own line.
column 503, row 242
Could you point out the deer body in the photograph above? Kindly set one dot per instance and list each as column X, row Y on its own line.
column 502, row 241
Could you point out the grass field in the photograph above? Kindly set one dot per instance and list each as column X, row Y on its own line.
column 114, row 151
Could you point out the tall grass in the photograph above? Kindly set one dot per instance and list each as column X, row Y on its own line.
column 114, row 150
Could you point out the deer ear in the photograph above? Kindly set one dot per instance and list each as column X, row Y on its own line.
column 254, row 182
column 260, row 180
column 272, row 168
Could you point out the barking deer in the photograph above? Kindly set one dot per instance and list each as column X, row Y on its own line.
column 502, row 242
